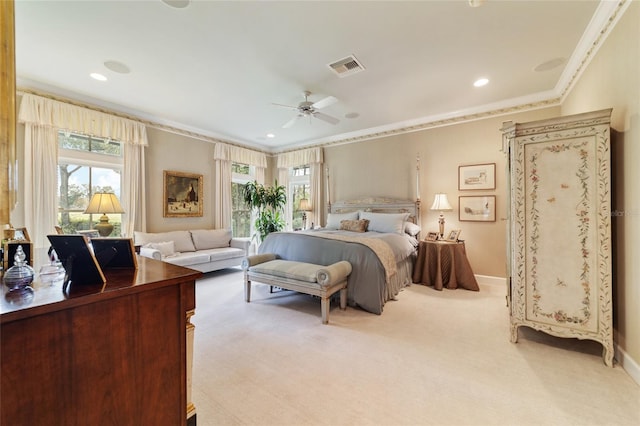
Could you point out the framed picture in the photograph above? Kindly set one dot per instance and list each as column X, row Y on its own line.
column 453, row 235
column 182, row 194
column 21, row 234
column 77, row 259
column 115, row 253
column 481, row 208
column 477, row 176
column 432, row 236
column 10, row 248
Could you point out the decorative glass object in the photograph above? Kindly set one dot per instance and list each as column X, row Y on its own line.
column 20, row 275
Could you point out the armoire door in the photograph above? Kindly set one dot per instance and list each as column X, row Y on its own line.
column 560, row 227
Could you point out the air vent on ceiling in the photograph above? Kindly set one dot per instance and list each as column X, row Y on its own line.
column 347, row 66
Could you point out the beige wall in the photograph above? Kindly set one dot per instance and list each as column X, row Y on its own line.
column 385, row 167
column 169, row 151
column 612, row 80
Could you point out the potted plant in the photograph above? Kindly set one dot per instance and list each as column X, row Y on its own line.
column 269, row 203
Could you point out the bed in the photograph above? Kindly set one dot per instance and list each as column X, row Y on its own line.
column 382, row 258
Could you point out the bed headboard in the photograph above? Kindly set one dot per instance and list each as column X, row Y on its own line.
column 379, row 205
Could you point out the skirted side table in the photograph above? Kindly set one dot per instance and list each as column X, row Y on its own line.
column 444, row 264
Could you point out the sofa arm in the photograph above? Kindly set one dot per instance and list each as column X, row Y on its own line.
column 241, row 243
column 257, row 259
column 150, row 252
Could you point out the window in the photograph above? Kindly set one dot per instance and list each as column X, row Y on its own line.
column 241, row 220
column 86, row 165
column 299, row 188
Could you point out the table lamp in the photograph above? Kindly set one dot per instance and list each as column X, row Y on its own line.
column 305, row 207
column 104, row 203
column 441, row 203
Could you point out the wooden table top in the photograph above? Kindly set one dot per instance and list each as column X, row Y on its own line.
column 49, row 297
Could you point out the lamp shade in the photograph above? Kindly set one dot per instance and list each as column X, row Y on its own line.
column 104, row 203
column 440, row 202
column 305, row 206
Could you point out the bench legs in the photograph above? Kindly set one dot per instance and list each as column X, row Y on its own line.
column 325, row 300
column 247, row 289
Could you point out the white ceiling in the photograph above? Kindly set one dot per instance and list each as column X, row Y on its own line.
column 215, row 68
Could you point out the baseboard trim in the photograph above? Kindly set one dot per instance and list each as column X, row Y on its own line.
column 490, row 280
column 628, row 364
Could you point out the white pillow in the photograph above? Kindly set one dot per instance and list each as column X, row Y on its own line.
column 166, row 248
column 385, row 222
column 211, row 238
column 411, row 228
column 181, row 239
column 334, row 219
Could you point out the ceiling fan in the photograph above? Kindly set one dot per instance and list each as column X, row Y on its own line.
column 310, row 109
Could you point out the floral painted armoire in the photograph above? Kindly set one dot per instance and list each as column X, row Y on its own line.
column 560, row 227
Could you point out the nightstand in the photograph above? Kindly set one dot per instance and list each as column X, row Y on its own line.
column 444, row 264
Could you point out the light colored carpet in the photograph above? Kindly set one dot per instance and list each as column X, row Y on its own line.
column 432, row 358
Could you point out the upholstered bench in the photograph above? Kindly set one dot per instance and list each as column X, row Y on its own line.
column 308, row 278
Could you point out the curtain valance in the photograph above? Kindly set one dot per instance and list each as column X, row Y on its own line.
column 222, row 151
column 48, row 112
column 299, row 158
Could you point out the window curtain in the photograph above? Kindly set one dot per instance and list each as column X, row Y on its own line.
column 224, row 155
column 40, row 180
column 43, row 118
column 314, row 158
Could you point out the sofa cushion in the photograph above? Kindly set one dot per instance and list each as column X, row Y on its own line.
column 181, row 239
column 211, row 238
column 187, row 259
column 224, row 253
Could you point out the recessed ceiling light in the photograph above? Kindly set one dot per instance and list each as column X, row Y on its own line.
column 98, row 77
column 481, row 82
column 271, row 135
column 351, row 115
column 178, row 4
column 118, row 67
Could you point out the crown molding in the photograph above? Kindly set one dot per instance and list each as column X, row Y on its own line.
column 603, row 21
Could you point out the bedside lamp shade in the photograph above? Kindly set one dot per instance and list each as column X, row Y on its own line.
column 305, row 207
column 104, row 203
column 441, row 203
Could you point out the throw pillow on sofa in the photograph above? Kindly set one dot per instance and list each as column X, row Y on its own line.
column 211, row 238
column 181, row 239
column 166, row 248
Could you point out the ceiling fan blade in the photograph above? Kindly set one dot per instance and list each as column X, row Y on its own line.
column 325, row 117
column 285, row 106
column 291, row 122
column 322, row 103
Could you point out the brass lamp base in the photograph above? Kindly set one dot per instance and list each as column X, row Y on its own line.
column 104, row 228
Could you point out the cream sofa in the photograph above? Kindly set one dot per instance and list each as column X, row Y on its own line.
column 205, row 250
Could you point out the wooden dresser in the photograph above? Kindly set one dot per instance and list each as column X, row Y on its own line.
column 100, row 355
